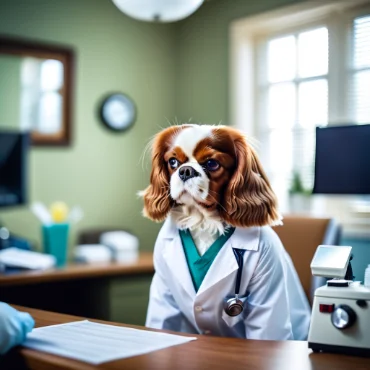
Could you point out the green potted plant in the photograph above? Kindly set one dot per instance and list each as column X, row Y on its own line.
column 299, row 196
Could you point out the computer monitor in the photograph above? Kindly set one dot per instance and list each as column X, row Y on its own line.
column 342, row 160
column 14, row 148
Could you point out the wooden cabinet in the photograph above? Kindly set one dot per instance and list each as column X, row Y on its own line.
column 129, row 298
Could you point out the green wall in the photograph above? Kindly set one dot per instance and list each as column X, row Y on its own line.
column 172, row 71
column 101, row 170
column 202, row 67
column 10, row 92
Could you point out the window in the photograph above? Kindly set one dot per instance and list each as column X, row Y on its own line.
column 311, row 67
column 41, row 94
column 361, row 70
column 293, row 99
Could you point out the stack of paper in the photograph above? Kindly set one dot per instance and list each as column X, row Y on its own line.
column 96, row 343
column 15, row 257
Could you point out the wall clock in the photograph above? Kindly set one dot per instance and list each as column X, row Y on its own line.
column 118, row 112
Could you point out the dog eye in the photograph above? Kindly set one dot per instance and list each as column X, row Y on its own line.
column 212, row 165
column 173, row 162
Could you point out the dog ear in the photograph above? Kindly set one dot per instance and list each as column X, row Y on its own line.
column 157, row 199
column 248, row 199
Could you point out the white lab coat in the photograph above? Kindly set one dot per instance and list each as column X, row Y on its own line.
column 275, row 305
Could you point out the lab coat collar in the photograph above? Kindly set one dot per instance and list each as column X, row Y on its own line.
column 224, row 264
column 169, row 229
column 246, row 238
column 242, row 238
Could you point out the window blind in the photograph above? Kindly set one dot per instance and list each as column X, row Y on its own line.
column 360, row 92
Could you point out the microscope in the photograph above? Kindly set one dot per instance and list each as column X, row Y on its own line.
column 340, row 321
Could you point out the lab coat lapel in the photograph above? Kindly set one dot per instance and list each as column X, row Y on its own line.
column 223, row 265
column 225, row 262
column 174, row 255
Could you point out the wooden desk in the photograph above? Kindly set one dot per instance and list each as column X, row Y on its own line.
column 111, row 291
column 206, row 353
column 81, row 271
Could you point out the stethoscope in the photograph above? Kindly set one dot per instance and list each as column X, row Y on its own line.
column 234, row 306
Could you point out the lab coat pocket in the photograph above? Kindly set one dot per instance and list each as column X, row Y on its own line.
column 233, row 320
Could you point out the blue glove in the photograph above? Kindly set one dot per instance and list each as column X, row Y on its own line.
column 14, row 326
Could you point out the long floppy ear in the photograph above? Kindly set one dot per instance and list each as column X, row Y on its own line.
column 249, row 199
column 157, row 199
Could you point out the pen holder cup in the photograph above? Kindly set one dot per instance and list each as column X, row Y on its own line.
column 55, row 242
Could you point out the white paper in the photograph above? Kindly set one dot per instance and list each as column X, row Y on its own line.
column 15, row 257
column 97, row 343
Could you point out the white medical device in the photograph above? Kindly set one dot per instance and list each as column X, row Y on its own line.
column 340, row 319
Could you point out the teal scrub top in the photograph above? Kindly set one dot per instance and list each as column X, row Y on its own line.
column 199, row 265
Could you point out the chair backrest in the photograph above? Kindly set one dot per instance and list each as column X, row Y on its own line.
column 301, row 236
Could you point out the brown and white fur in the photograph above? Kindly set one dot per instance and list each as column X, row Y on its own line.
column 208, row 178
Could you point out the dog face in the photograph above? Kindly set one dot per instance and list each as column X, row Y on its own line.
column 210, row 168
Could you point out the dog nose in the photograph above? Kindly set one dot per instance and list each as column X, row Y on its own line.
column 187, row 172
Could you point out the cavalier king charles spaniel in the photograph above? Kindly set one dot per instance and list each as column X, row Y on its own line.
column 208, row 178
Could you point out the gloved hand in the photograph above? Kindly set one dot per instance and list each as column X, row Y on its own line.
column 14, row 326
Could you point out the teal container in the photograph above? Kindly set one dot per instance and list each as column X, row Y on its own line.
column 55, row 242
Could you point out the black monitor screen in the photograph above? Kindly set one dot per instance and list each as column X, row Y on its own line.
column 13, row 168
column 342, row 164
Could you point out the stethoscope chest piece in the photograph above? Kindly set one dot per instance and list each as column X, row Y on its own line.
column 234, row 306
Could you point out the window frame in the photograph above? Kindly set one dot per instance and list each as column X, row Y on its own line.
column 66, row 55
